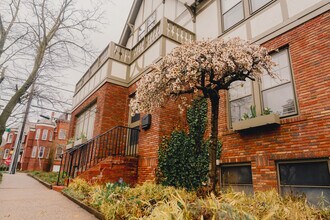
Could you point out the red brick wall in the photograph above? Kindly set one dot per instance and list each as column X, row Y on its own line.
column 306, row 135
column 111, row 101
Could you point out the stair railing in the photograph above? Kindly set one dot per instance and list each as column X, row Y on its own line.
column 118, row 141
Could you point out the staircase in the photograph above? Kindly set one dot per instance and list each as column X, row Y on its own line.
column 107, row 157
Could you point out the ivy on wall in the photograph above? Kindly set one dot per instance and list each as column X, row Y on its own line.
column 183, row 158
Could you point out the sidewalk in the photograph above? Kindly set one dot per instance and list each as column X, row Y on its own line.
column 22, row 197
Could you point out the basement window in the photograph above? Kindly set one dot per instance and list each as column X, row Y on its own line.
column 238, row 177
column 308, row 178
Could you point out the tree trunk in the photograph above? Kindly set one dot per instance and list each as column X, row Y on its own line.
column 214, row 97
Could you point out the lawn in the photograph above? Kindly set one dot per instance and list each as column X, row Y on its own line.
column 48, row 177
column 151, row 201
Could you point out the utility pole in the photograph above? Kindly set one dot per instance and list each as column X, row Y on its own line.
column 17, row 148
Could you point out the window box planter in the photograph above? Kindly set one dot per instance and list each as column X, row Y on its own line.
column 259, row 121
column 80, row 141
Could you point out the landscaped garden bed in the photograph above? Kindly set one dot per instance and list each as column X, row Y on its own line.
column 151, row 201
column 47, row 178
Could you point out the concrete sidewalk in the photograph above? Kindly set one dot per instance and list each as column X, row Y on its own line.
column 22, row 197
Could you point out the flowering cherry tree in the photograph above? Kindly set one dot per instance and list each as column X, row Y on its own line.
column 202, row 68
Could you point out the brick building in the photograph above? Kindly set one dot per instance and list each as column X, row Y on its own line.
column 42, row 144
column 287, row 149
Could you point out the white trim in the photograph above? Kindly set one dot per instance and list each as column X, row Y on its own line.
column 34, row 152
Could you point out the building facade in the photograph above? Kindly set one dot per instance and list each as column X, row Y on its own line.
column 289, row 135
column 41, row 146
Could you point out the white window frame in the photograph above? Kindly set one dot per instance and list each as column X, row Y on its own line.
column 223, row 13
column 38, row 131
column 6, row 154
column 147, row 25
column 85, row 123
column 48, row 152
column 44, row 134
column 41, row 150
column 57, row 155
column 62, row 134
column 256, row 9
column 10, row 138
column 51, row 133
column 257, row 93
column 34, row 151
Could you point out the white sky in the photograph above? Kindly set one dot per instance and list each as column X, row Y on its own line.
column 116, row 12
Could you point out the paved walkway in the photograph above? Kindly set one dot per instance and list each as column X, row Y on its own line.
column 22, row 197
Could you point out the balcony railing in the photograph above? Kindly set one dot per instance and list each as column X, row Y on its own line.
column 118, row 141
column 124, row 55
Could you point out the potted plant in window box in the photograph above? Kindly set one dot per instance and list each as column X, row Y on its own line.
column 69, row 144
column 251, row 120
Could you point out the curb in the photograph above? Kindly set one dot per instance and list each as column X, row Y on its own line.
column 89, row 209
column 49, row 186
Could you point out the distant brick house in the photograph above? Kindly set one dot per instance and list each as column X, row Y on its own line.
column 276, row 150
column 42, row 144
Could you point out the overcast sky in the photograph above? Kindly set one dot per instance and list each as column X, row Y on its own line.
column 116, row 12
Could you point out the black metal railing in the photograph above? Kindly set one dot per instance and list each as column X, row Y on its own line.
column 118, row 141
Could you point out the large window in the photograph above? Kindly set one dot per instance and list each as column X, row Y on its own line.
column 34, row 152
column 237, row 176
column 6, row 154
column 41, row 152
column 256, row 4
column 276, row 94
column 85, row 123
column 240, row 99
column 310, row 178
column 232, row 12
column 147, row 26
column 59, row 152
column 62, row 134
column 50, row 136
column 44, row 134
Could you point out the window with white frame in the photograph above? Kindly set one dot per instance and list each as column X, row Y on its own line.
column 310, row 178
column 6, row 154
column 85, row 123
column 141, row 31
column 10, row 138
column 237, row 176
column 44, row 134
column 41, row 152
column 240, row 99
column 276, row 94
column 48, row 152
column 34, row 151
column 62, row 134
column 232, row 12
column 256, row 4
column 51, row 136
column 38, row 134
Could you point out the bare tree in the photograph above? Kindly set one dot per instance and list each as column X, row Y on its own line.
column 41, row 38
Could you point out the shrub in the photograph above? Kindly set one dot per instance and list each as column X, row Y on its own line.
column 183, row 159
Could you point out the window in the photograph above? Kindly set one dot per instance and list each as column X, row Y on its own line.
column 256, row 4
column 51, row 136
column 277, row 94
column 232, row 12
column 62, row 134
column 237, row 176
column 41, row 152
column 85, row 123
column 6, row 154
column 10, row 138
column 44, row 134
column 240, row 99
column 311, row 178
column 34, row 152
column 48, row 152
column 147, row 26
column 38, row 134
column 59, row 152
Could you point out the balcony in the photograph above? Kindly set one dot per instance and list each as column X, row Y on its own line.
column 122, row 65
